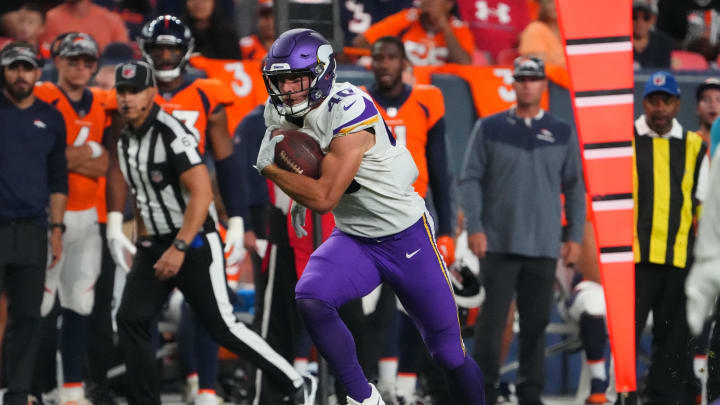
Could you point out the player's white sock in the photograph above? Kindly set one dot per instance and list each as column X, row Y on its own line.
column 700, row 365
column 405, row 384
column 597, row 369
column 387, row 370
column 301, row 364
column 192, row 383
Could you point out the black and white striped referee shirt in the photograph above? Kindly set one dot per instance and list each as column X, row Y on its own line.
column 152, row 158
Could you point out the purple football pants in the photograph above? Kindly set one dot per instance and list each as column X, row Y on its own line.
column 347, row 267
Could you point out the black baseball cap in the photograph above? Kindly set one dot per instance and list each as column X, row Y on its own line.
column 644, row 5
column 20, row 51
column 136, row 74
column 709, row 83
column 528, row 66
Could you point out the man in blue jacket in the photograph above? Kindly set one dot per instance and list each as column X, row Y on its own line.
column 517, row 165
column 33, row 177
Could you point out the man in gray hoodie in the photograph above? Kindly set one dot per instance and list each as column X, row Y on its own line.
column 517, row 165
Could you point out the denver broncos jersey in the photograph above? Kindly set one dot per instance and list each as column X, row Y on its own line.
column 410, row 117
column 251, row 48
column 385, row 203
column 243, row 77
column 84, row 122
column 193, row 103
column 422, row 47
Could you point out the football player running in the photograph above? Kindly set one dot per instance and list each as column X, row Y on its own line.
column 383, row 232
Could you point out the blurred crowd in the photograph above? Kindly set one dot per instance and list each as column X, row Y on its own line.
column 682, row 35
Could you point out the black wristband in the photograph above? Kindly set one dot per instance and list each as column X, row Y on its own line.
column 180, row 245
column 57, row 225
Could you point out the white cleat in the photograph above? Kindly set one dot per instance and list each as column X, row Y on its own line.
column 206, row 398
column 375, row 398
column 73, row 396
column 190, row 391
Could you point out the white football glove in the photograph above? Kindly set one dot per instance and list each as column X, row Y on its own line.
column 703, row 283
column 701, row 289
column 235, row 241
column 266, row 154
column 297, row 215
column 121, row 249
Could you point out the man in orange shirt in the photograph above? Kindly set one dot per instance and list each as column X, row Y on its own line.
column 75, row 276
column 82, row 15
column 255, row 46
column 541, row 38
column 431, row 34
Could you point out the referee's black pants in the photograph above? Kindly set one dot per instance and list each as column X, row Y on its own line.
column 23, row 258
column 661, row 289
column 101, row 350
column 276, row 316
column 532, row 279
column 202, row 281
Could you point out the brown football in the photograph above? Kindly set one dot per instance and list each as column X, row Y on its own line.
column 298, row 152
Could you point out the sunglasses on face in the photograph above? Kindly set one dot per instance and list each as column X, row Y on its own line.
column 645, row 16
column 86, row 63
column 528, row 79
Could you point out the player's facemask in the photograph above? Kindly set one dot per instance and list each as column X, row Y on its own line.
column 290, row 103
column 168, row 65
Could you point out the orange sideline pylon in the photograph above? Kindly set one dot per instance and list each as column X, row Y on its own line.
column 598, row 49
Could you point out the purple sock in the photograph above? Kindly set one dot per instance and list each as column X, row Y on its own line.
column 336, row 344
column 469, row 380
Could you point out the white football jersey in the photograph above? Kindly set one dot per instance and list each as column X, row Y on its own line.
column 386, row 202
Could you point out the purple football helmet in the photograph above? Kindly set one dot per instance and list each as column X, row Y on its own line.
column 299, row 52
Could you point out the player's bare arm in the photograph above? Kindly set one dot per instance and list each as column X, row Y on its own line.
column 338, row 169
column 456, row 53
column 80, row 160
column 94, row 168
column 197, row 181
column 116, row 188
column 218, row 135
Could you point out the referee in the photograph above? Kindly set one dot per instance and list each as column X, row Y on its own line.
column 158, row 157
column 671, row 170
column 32, row 167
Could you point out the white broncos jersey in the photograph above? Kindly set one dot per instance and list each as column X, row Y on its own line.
column 386, row 202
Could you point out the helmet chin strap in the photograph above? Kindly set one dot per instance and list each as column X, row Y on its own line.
column 302, row 109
